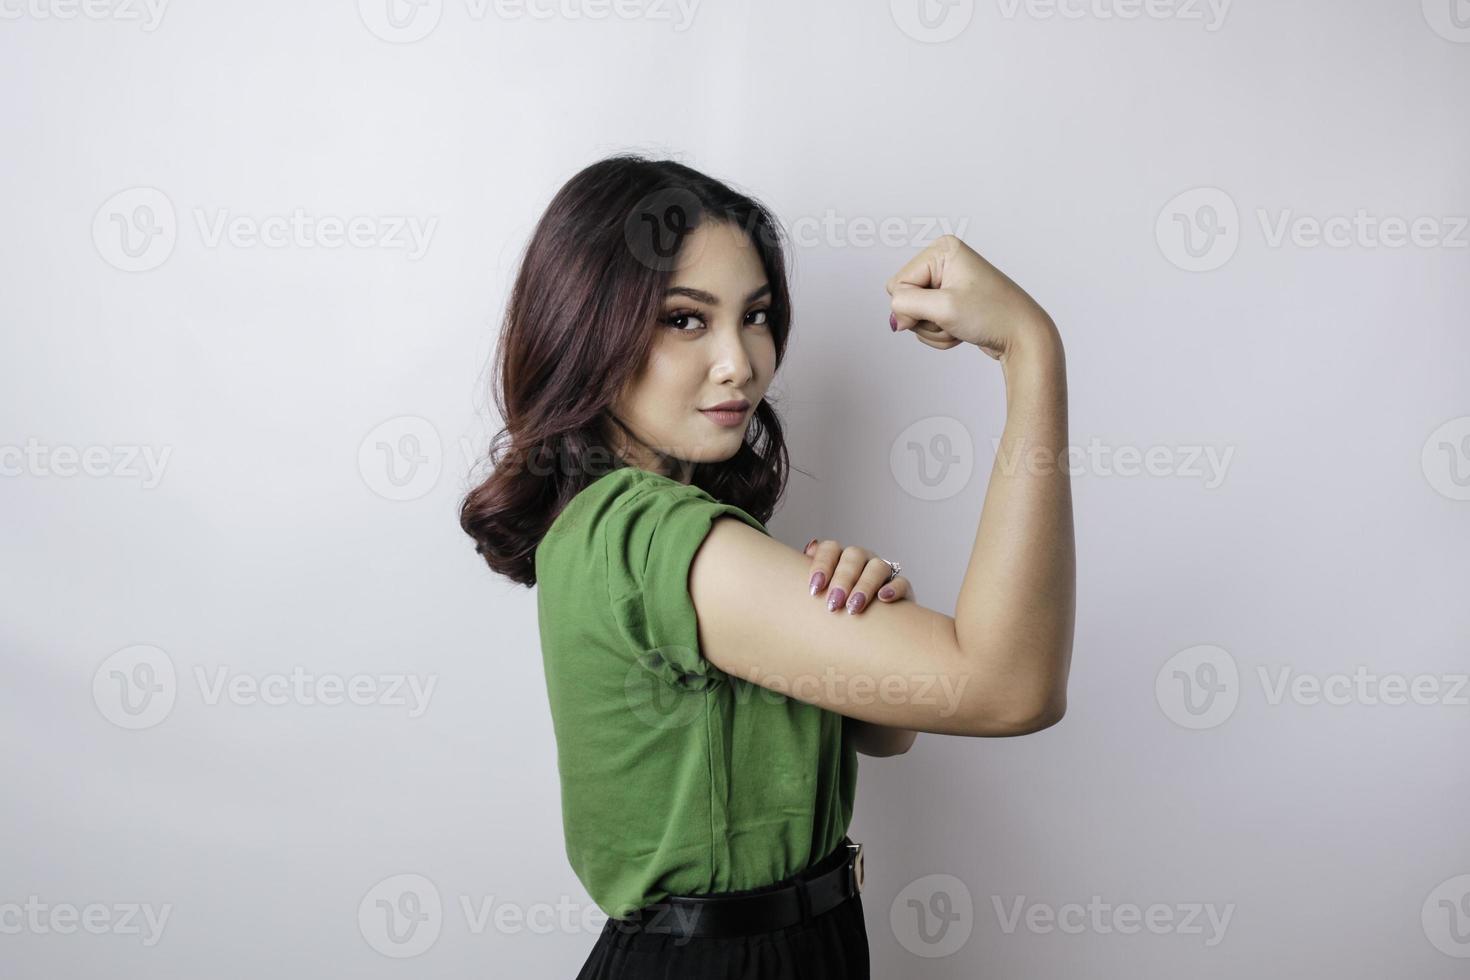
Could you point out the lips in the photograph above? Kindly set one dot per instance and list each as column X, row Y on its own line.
column 728, row 418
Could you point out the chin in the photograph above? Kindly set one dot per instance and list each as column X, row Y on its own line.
column 720, row 452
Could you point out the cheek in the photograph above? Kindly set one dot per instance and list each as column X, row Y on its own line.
column 764, row 356
column 670, row 376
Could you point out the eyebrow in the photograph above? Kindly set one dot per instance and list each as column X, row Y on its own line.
column 711, row 298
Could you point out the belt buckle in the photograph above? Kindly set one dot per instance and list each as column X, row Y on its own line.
column 855, row 852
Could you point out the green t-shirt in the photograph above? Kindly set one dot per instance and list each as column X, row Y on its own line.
column 676, row 778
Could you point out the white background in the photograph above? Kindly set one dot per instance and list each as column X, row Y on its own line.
column 273, row 535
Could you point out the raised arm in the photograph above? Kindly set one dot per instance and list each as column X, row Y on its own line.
column 999, row 665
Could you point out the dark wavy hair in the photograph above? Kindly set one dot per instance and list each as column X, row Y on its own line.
column 579, row 324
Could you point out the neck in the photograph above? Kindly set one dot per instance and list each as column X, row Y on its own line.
column 634, row 452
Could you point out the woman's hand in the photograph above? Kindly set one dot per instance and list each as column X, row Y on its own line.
column 948, row 293
column 853, row 574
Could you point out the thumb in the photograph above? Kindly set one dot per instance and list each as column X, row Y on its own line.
column 912, row 303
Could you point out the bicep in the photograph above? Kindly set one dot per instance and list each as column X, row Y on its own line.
column 898, row 664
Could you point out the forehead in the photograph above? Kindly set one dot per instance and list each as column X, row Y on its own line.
column 717, row 254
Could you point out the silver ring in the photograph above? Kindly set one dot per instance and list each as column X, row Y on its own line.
column 893, row 565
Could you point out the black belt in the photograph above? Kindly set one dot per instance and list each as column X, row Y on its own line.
column 818, row 889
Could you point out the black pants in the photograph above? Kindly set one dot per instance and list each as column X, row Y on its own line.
column 831, row 946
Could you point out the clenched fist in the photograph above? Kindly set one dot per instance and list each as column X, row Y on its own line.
column 948, row 293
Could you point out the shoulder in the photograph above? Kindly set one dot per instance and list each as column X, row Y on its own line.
column 631, row 515
column 655, row 524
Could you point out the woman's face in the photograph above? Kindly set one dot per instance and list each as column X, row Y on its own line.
column 713, row 345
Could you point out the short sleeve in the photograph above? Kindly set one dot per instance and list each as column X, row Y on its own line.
column 651, row 541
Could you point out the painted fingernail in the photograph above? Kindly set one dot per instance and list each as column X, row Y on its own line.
column 892, row 322
column 834, row 599
column 809, row 544
column 819, row 579
column 886, row 592
column 855, row 604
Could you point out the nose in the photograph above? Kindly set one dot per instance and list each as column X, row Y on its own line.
column 732, row 360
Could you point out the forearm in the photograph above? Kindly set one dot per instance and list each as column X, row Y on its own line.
column 879, row 740
column 1016, row 606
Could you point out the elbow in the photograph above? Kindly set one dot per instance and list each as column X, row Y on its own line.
column 882, row 742
column 905, row 742
column 1020, row 716
column 884, row 752
column 1045, row 716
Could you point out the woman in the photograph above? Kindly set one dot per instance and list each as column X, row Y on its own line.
column 707, row 708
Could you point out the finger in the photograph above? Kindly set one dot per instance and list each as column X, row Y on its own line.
column 849, row 567
column 939, row 340
column 913, row 305
column 895, row 590
column 874, row 574
column 924, row 269
column 824, row 561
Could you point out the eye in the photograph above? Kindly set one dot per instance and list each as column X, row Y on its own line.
column 673, row 319
column 677, row 320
